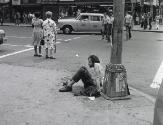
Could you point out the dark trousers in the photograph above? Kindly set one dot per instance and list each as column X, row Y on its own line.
column 128, row 29
column 109, row 31
column 150, row 25
column 145, row 24
column 104, row 31
column 84, row 75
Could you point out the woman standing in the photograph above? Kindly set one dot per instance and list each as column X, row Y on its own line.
column 157, row 19
column 37, row 33
column 49, row 29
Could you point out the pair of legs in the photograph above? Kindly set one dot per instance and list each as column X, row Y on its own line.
column 157, row 25
column 109, row 32
column 128, row 32
column 82, row 74
column 104, row 31
column 50, row 46
column 35, row 50
column 145, row 24
column 50, row 53
column 150, row 26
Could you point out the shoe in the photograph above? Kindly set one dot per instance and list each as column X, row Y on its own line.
column 39, row 55
column 46, row 57
column 65, row 83
column 35, row 55
column 52, row 57
column 65, row 89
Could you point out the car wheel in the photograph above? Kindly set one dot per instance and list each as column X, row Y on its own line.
column 67, row 30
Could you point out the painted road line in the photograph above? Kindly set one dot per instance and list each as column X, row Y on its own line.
column 18, row 37
column 71, row 39
column 158, row 77
column 59, row 39
column 25, row 37
column 58, row 42
column 150, row 98
column 67, row 40
column 12, row 45
column 76, row 37
column 14, row 53
column 24, row 45
column 28, row 46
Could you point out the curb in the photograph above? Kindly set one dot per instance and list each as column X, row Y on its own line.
column 16, row 25
column 148, row 31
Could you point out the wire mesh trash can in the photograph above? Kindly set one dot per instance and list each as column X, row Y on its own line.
column 115, row 81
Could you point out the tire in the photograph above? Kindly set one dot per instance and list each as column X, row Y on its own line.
column 67, row 29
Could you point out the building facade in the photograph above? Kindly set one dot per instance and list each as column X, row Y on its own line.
column 61, row 8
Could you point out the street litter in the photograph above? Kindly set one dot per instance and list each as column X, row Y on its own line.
column 92, row 98
column 77, row 55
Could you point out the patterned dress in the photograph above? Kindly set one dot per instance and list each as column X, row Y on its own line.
column 49, row 29
column 37, row 31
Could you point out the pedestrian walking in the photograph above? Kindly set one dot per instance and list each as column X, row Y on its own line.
column 17, row 18
column 50, row 32
column 157, row 19
column 37, row 33
column 128, row 25
column 142, row 21
column 110, row 20
column 92, row 78
column 145, row 21
column 104, row 25
column 1, row 18
column 25, row 18
column 150, row 20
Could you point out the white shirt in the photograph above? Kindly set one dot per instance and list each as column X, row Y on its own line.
column 128, row 19
column 97, row 73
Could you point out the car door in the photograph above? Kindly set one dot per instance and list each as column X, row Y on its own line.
column 84, row 23
column 96, row 23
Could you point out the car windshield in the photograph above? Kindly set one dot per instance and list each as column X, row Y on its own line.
column 83, row 17
column 77, row 17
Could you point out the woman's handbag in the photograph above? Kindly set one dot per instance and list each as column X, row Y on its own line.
column 42, row 42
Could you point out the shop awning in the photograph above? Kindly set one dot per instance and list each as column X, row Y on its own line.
column 81, row 1
column 49, row 1
column 4, row 2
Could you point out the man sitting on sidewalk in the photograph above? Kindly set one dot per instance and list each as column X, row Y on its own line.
column 92, row 80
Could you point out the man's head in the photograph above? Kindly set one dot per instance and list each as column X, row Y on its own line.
column 105, row 13
column 37, row 14
column 92, row 59
column 128, row 12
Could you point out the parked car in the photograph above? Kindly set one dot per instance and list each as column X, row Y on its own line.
column 3, row 38
column 158, row 110
column 85, row 22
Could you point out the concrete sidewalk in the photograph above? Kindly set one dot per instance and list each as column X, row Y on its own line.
column 138, row 28
column 135, row 28
column 29, row 96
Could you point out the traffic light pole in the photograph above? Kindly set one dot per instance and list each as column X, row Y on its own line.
column 115, row 81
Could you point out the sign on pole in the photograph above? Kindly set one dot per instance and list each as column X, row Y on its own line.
column 15, row 2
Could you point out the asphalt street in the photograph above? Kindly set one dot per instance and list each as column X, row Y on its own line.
column 29, row 85
column 142, row 55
